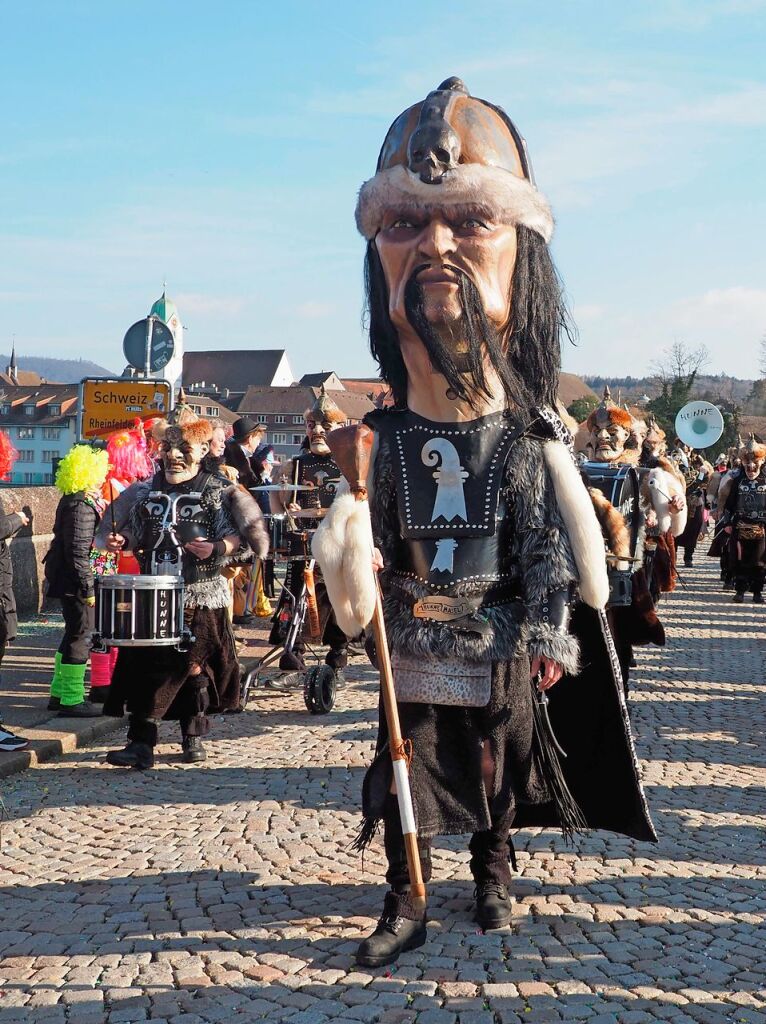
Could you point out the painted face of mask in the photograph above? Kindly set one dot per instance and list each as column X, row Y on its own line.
column 181, row 459
column 317, row 431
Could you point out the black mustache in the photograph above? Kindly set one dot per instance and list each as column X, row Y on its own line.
column 464, row 371
column 441, row 266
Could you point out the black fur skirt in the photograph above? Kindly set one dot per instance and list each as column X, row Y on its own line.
column 446, row 771
column 151, row 682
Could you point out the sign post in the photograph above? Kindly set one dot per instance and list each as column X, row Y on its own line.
column 114, row 403
column 149, row 345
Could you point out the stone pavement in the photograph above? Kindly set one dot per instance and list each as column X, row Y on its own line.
column 227, row 893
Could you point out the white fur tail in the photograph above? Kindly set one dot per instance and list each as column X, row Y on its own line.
column 343, row 547
column 662, row 487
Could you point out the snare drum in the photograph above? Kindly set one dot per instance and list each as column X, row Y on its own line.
column 276, row 524
column 140, row 611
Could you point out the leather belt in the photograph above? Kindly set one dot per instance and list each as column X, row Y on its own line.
column 462, row 613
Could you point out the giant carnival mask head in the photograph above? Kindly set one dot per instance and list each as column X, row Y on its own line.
column 184, row 441
column 321, row 418
column 457, row 257
column 753, row 455
column 609, row 427
column 654, row 444
column 638, row 431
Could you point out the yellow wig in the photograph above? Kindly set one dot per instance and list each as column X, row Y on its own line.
column 82, row 469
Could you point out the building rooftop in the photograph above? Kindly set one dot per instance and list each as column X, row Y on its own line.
column 297, row 398
column 16, row 398
column 234, row 369
column 571, row 387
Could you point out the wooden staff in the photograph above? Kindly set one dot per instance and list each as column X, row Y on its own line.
column 315, row 627
column 352, row 450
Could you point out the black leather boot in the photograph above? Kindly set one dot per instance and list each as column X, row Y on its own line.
column 193, row 749
column 134, row 755
column 139, row 752
column 400, row 928
column 490, row 852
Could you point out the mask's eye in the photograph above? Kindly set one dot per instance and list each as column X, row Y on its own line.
column 401, row 223
column 471, row 225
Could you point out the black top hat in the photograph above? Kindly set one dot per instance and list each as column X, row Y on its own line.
column 243, row 427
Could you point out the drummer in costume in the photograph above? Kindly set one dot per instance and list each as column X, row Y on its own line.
column 746, row 527
column 661, row 509
column 726, row 472
column 696, row 479
column 494, row 571
column 315, row 467
column 654, row 456
column 214, row 521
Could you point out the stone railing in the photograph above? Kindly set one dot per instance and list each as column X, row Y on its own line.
column 30, row 545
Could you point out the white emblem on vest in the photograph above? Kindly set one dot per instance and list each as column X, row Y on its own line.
column 449, row 477
column 444, row 559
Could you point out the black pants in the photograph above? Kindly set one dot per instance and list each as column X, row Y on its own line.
column 79, row 622
column 191, row 706
column 337, row 656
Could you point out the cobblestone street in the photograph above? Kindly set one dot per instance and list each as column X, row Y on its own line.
column 226, row 892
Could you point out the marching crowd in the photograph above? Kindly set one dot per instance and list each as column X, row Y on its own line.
column 100, row 485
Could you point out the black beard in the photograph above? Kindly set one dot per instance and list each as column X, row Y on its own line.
column 464, row 370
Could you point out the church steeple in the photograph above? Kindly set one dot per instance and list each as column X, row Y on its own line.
column 12, row 369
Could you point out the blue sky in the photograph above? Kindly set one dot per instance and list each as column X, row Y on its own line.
column 220, row 146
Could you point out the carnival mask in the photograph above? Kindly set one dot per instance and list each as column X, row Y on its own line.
column 752, row 466
column 181, row 456
column 609, row 442
column 316, row 431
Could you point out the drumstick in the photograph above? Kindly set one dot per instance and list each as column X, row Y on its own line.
column 111, row 508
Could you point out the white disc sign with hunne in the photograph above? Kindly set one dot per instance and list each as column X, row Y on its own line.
column 699, row 424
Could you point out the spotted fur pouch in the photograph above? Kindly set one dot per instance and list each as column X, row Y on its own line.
column 449, row 681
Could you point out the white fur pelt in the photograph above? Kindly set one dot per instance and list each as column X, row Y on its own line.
column 582, row 525
column 343, row 547
column 503, row 197
column 661, row 486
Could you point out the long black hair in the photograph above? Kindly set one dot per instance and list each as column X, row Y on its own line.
column 526, row 357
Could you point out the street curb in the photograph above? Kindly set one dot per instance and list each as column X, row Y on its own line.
column 47, row 741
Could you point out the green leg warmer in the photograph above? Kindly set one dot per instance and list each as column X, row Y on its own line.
column 72, row 684
column 56, row 681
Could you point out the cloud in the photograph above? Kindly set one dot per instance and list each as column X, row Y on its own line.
column 193, row 302
column 728, row 311
column 588, row 312
column 315, row 310
column 729, row 322
column 695, row 15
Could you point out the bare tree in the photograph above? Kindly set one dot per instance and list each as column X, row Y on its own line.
column 679, row 363
column 762, row 357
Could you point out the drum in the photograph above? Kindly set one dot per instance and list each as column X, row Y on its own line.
column 277, row 542
column 140, row 611
column 620, row 485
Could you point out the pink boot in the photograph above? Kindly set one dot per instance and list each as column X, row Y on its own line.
column 100, row 676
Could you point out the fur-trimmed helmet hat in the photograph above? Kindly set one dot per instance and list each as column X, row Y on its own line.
column 607, row 412
column 752, row 450
column 324, row 410
column 183, row 424
column 451, row 150
column 654, row 432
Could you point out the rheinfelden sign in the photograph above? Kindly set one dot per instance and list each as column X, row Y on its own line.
column 112, row 403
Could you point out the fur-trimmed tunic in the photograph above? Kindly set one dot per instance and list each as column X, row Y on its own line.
column 555, row 543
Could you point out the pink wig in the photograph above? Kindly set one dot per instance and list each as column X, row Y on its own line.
column 8, row 455
column 128, row 458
